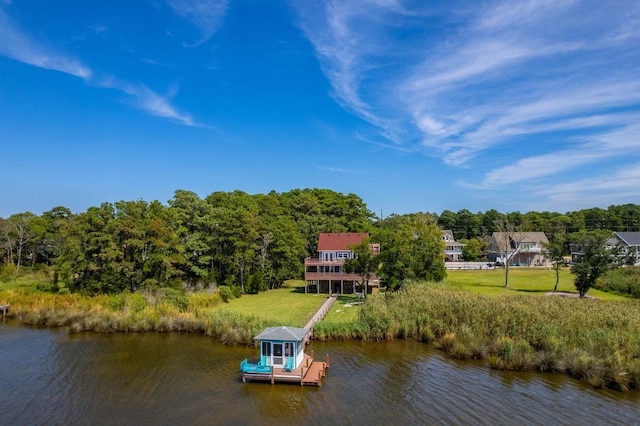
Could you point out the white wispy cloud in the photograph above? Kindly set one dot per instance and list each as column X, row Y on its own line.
column 149, row 101
column 460, row 82
column 205, row 15
column 16, row 45
column 618, row 186
column 24, row 48
column 333, row 169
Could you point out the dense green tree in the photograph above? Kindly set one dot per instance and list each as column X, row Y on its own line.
column 196, row 230
column 596, row 258
column 488, row 222
column 596, row 218
column 448, row 220
column 50, row 244
column 467, row 225
column 122, row 246
column 411, row 248
column 474, row 249
column 364, row 263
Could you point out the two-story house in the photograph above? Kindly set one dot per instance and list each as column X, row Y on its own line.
column 630, row 244
column 626, row 243
column 518, row 248
column 326, row 274
column 452, row 248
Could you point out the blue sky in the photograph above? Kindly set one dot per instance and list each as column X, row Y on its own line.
column 414, row 106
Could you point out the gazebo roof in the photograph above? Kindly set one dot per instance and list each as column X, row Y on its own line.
column 282, row 333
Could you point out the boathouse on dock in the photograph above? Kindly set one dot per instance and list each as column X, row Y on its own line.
column 282, row 347
column 282, row 358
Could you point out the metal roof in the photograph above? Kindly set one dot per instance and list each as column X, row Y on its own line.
column 630, row 238
column 295, row 334
column 340, row 240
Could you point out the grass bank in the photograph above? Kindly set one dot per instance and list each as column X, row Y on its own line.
column 532, row 281
column 288, row 305
column 592, row 340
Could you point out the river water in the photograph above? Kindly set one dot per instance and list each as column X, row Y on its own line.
column 50, row 377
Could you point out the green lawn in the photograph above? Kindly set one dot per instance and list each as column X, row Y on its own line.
column 288, row 305
column 345, row 309
column 536, row 281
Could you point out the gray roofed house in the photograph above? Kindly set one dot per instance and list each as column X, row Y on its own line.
column 452, row 248
column 518, row 248
column 631, row 244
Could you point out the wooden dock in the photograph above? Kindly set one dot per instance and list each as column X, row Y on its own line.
column 320, row 314
column 310, row 373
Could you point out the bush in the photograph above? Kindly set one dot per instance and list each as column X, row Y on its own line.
column 45, row 287
column 625, row 281
column 176, row 297
column 226, row 293
column 7, row 272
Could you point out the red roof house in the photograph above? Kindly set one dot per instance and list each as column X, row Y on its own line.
column 326, row 274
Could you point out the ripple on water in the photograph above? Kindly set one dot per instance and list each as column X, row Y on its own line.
column 171, row 378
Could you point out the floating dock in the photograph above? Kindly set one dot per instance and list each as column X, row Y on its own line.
column 282, row 357
column 309, row 373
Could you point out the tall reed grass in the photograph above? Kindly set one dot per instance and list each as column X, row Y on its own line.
column 591, row 340
column 134, row 312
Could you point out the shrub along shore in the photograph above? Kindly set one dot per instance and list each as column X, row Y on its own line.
column 594, row 341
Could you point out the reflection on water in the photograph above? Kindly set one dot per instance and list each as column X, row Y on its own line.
column 47, row 376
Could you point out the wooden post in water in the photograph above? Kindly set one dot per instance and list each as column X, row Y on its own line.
column 327, row 360
column 4, row 309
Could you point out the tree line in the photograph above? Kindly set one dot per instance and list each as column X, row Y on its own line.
column 252, row 242
column 249, row 242
column 467, row 225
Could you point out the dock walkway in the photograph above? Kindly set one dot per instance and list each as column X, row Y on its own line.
column 324, row 309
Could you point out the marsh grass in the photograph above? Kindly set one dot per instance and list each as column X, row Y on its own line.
column 592, row 340
column 135, row 312
column 163, row 310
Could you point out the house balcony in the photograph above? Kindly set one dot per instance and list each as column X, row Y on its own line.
column 332, row 276
column 453, row 251
column 530, row 250
column 313, row 261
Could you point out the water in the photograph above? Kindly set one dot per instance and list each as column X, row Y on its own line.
column 49, row 377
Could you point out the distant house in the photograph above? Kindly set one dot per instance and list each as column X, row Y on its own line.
column 518, row 248
column 630, row 243
column 326, row 274
column 627, row 242
column 452, row 248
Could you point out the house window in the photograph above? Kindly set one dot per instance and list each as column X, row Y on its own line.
column 266, row 348
column 288, row 349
